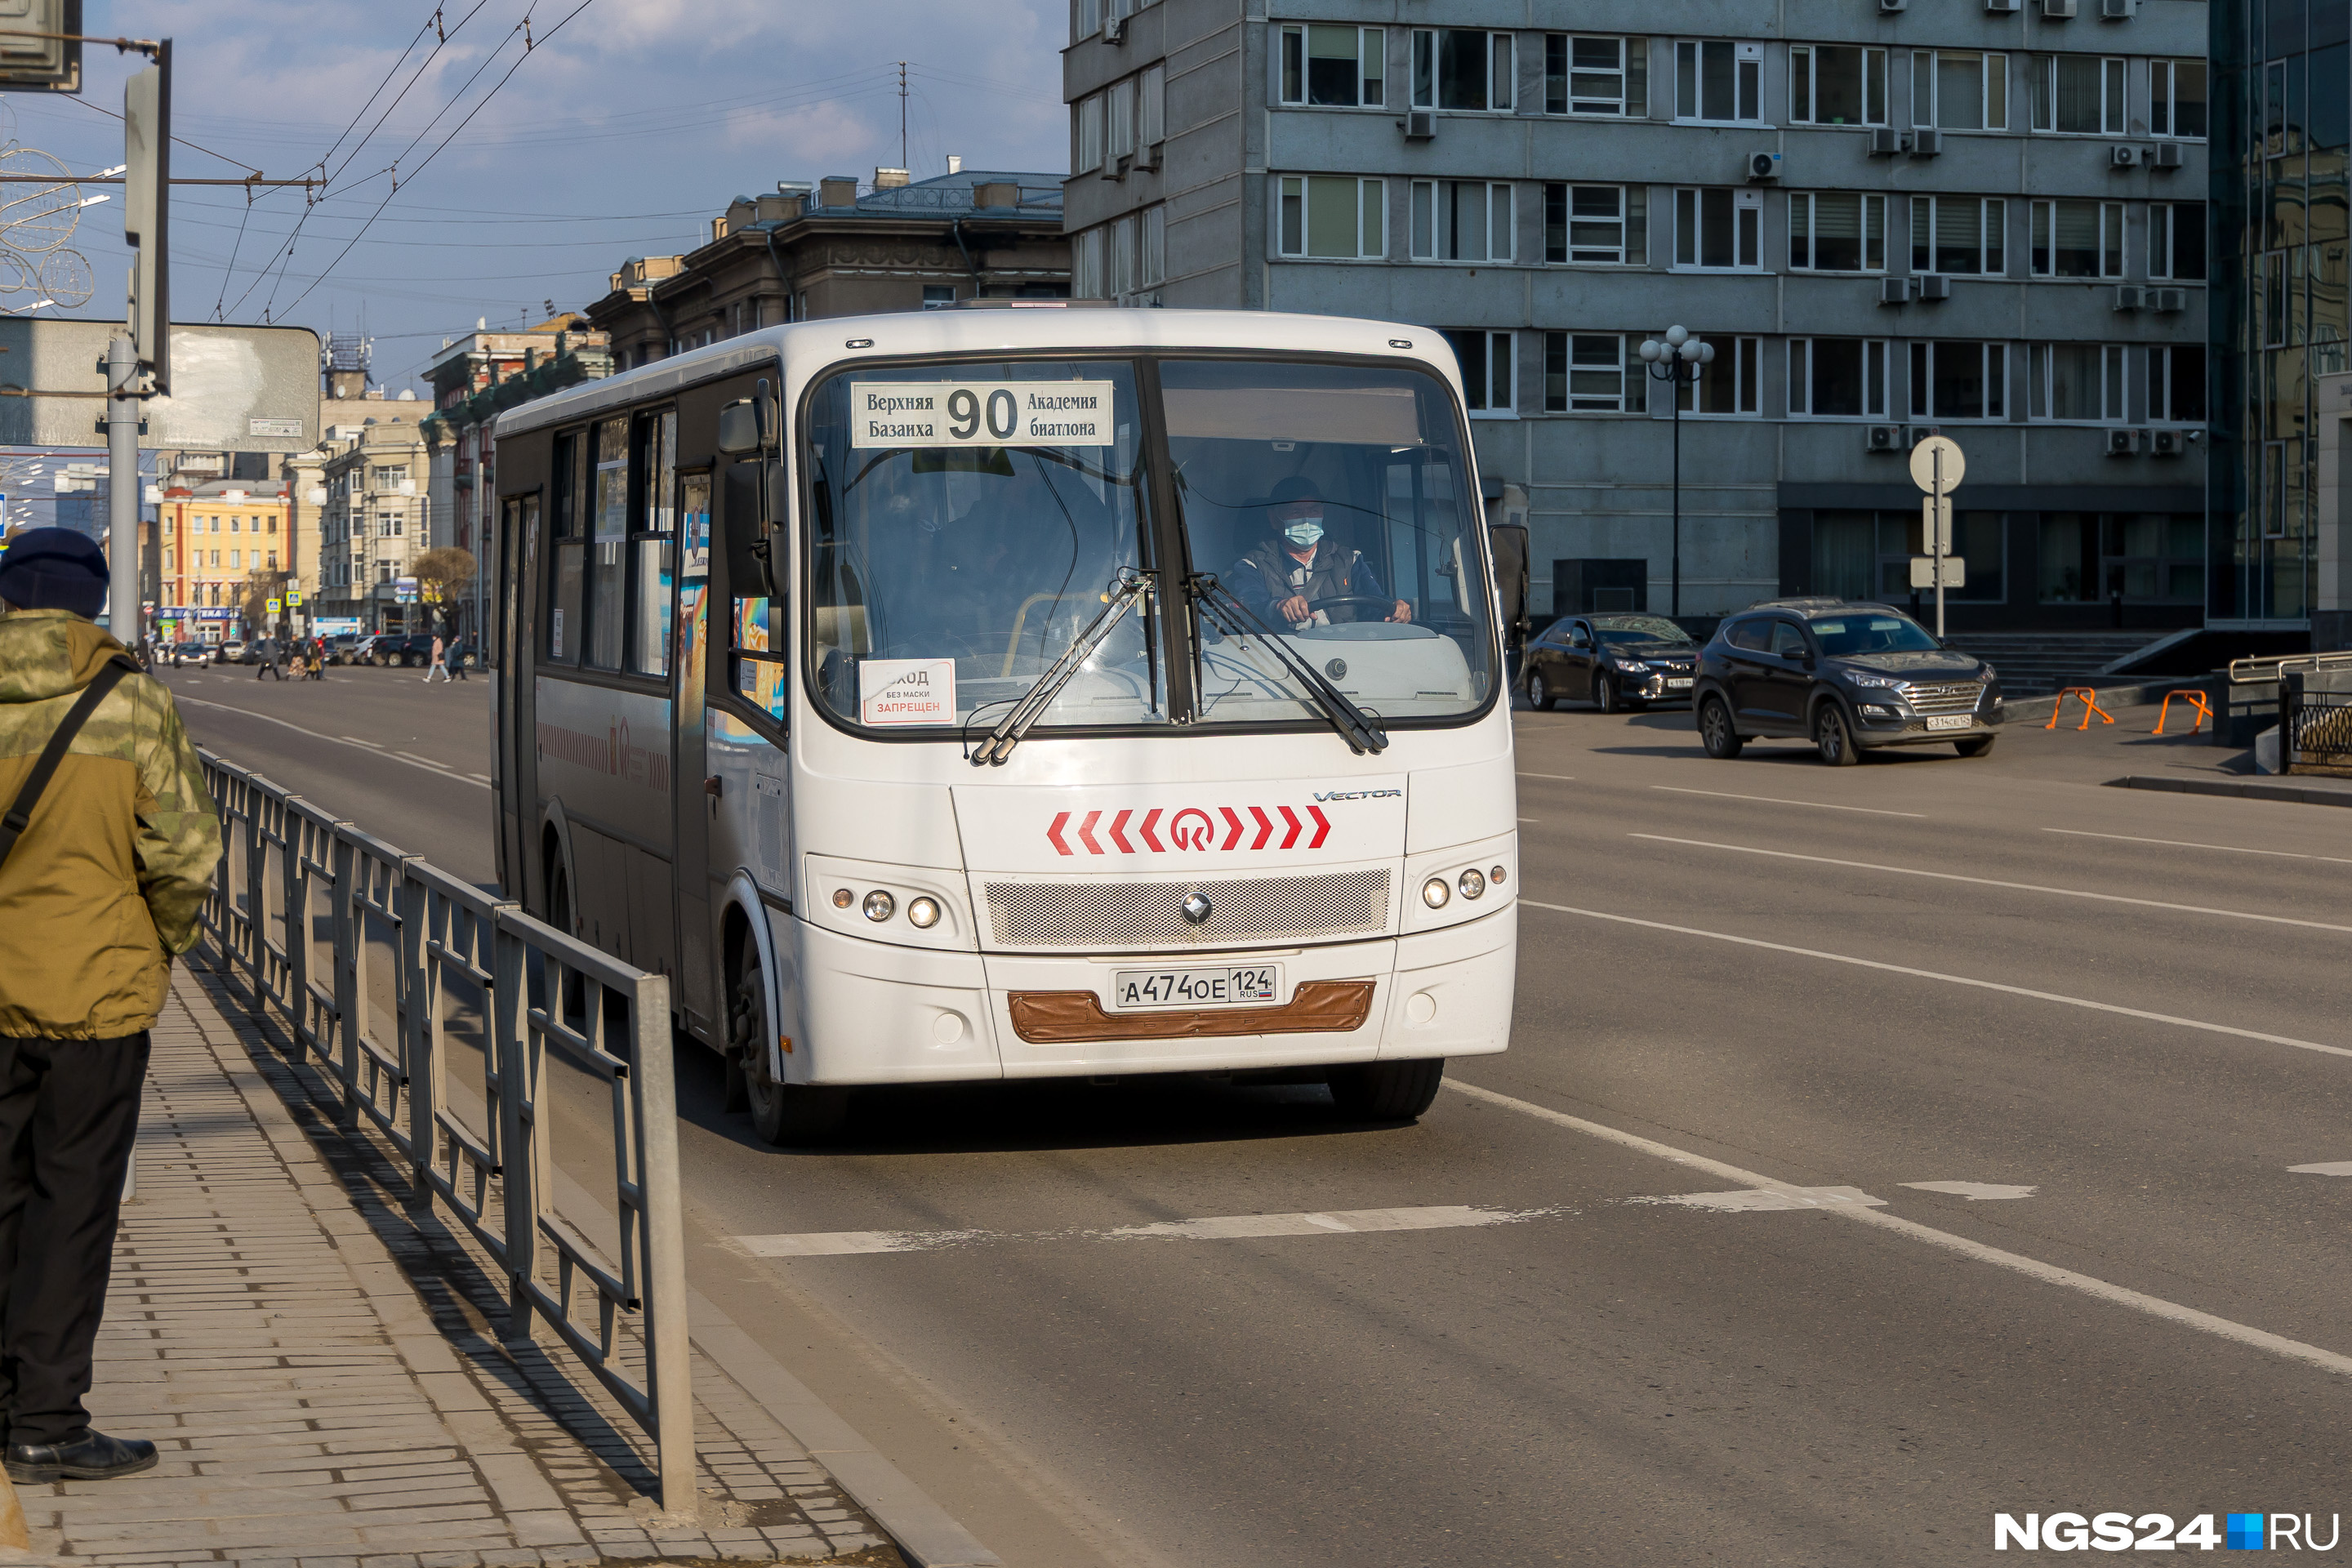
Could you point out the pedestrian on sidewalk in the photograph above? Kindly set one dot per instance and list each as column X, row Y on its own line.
column 440, row 665
column 106, row 854
column 268, row 650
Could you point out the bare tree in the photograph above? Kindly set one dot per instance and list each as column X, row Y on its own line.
column 441, row 577
column 253, row 601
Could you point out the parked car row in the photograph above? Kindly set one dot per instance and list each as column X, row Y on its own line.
column 386, row 650
column 1850, row 677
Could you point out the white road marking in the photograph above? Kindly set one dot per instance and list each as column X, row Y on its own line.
column 2050, row 1274
column 2185, row 844
column 1775, row 800
column 1975, row 1191
column 345, row 740
column 1997, row 882
column 1218, row 1227
column 1568, row 778
column 1527, row 819
column 2024, row 991
column 1762, row 1200
column 479, row 778
column 2325, row 1168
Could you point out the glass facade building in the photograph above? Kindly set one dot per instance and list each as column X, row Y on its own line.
column 2281, row 101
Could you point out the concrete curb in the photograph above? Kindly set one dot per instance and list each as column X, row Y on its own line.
column 2246, row 789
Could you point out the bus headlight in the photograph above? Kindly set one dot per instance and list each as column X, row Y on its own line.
column 880, row 906
column 1435, row 892
column 923, row 913
column 1474, row 883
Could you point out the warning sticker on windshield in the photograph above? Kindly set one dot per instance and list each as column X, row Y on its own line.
column 980, row 413
column 906, row 691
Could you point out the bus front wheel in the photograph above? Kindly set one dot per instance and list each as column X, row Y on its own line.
column 1386, row 1092
column 782, row 1114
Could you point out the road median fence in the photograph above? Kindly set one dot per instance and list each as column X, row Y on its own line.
column 453, row 1025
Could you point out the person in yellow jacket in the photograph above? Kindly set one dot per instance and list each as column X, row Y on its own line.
column 98, row 890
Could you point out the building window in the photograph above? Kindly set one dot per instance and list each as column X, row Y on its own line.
column 2176, row 99
column 1588, row 373
column 1464, row 68
column 383, row 573
column 1837, row 231
column 2080, row 95
column 236, row 561
column 1596, row 75
column 1152, row 107
column 387, row 477
column 1718, row 81
column 1486, row 370
column 1958, row 234
column 389, row 525
column 1831, row 84
column 1087, row 272
column 1122, row 254
column 2078, row 239
column 1334, row 216
column 939, row 296
column 1837, row 378
column 1718, row 230
column 233, row 524
column 1960, row 381
column 1085, row 19
column 1118, row 115
column 1326, row 67
column 1729, row 385
column 1867, row 555
column 273, row 561
column 1087, row 134
column 1152, row 264
column 1461, row 220
column 1960, row 89
column 2176, row 385
column 2081, row 382
column 2176, row 241
column 2092, row 557
column 1596, row 223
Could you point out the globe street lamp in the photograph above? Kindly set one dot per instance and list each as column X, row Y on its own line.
column 1679, row 361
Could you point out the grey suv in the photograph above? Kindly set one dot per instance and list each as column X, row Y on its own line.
column 1850, row 677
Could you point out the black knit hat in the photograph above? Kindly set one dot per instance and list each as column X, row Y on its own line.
column 54, row 569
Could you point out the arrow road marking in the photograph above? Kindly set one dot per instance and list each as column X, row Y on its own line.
column 1216, row 1227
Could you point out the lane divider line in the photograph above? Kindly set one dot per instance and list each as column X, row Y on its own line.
column 1216, row 1227
column 2184, row 843
column 1776, row 800
column 2048, row 1273
column 338, row 739
column 2025, row 991
column 1997, row 882
column 1565, row 778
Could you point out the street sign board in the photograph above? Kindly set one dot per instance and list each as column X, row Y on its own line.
column 1925, row 463
column 294, row 596
column 1922, row 572
column 1935, row 525
column 234, row 388
column 336, row 626
column 32, row 62
column 274, row 606
column 404, row 590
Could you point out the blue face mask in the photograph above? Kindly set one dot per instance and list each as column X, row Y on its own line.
column 1302, row 534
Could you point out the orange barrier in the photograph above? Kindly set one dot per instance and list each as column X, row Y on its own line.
column 2191, row 697
column 2090, row 706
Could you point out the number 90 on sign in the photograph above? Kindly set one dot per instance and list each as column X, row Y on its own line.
column 980, row 413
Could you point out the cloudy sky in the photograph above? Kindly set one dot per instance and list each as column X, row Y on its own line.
column 522, row 179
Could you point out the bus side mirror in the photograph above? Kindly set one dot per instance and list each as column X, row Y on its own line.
column 738, row 428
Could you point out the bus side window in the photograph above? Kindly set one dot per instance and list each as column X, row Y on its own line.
column 759, row 629
column 564, row 559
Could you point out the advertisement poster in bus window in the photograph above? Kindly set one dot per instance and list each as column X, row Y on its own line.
column 760, row 677
column 906, row 691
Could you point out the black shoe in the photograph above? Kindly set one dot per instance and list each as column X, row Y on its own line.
column 97, row 1458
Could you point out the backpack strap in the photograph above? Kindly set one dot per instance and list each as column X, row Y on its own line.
column 19, row 816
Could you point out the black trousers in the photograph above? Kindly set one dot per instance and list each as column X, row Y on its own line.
column 69, row 1111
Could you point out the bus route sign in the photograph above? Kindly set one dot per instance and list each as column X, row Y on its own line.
column 980, row 413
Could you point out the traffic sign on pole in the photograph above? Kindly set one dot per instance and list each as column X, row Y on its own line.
column 1937, row 466
column 1935, row 525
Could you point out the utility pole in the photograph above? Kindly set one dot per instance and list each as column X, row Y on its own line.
column 902, row 114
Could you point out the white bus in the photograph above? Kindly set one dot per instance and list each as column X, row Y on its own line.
column 984, row 694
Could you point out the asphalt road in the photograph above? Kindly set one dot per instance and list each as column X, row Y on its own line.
column 2112, row 1018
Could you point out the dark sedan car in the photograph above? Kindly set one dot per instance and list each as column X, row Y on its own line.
column 1620, row 662
column 1850, row 677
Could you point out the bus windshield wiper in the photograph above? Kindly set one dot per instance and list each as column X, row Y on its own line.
column 1132, row 585
column 1362, row 732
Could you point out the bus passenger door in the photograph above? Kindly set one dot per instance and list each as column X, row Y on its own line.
column 695, row 805
column 516, row 788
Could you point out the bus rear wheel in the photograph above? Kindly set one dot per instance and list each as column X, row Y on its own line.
column 784, row 1114
column 1386, row 1092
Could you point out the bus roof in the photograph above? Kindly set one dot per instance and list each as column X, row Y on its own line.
column 810, row 348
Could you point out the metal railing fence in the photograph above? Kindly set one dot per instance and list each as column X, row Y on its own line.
column 399, row 983
column 2315, row 726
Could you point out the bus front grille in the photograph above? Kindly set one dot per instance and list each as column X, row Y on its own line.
column 1150, row 914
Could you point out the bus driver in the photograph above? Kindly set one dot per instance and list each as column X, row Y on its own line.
column 1297, row 573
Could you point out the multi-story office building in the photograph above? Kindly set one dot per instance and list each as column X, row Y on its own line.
column 2283, row 81
column 373, row 520
column 1983, row 219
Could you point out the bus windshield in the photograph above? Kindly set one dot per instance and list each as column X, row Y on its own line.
column 1334, row 503
column 968, row 522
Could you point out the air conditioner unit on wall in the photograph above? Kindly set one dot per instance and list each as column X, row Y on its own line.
column 1914, row 434
column 2130, row 296
column 1884, row 438
column 1895, row 290
column 2167, row 443
column 2125, row 157
column 1888, row 5
column 2122, row 443
column 2168, row 299
column 2001, row 5
column 1418, row 124
column 1114, row 29
column 1927, row 144
column 2117, row 10
column 1935, row 286
column 2057, row 10
column 1885, row 140
column 1763, row 165
column 2166, row 155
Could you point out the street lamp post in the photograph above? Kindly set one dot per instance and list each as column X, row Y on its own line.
column 1678, row 360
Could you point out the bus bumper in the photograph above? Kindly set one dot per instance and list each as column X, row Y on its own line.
column 871, row 1012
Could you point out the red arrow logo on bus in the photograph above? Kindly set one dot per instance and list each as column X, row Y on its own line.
column 1199, row 832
